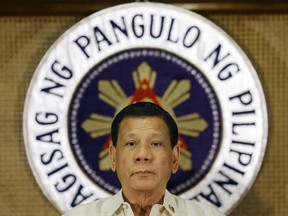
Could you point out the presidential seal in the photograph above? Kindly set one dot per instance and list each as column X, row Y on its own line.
column 145, row 52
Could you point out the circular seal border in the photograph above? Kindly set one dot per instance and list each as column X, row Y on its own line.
column 39, row 120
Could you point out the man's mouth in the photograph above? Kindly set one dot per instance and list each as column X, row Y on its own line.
column 143, row 172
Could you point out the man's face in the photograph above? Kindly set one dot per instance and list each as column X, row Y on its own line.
column 143, row 157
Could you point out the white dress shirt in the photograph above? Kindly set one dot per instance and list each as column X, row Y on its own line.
column 172, row 206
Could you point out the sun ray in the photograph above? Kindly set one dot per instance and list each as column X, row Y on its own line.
column 144, row 72
column 97, row 125
column 108, row 100
column 169, row 90
column 185, row 162
column 104, row 160
column 118, row 89
column 112, row 93
column 191, row 124
column 181, row 99
column 153, row 79
column 136, row 79
column 177, row 92
column 102, row 118
column 99, row 133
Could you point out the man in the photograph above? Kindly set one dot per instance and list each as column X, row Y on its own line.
column 144, row 154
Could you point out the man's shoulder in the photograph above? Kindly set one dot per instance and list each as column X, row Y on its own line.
column 198, row 208
column 88, row 209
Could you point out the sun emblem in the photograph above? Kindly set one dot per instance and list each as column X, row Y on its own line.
column 144, row 78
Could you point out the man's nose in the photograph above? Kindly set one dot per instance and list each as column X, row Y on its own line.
column 143, row 153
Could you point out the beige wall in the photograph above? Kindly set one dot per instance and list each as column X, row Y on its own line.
column 23, row 42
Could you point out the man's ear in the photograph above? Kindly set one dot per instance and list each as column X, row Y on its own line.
column 175, row 158
column 112, row 154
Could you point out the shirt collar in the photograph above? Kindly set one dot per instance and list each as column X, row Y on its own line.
column 169, row 203
column 115, row 203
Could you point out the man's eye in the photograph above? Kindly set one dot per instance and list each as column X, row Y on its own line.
column 131, row 143
column 156, row 144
